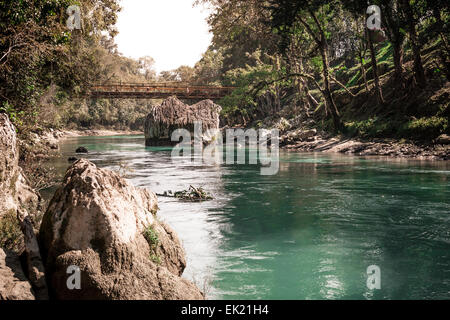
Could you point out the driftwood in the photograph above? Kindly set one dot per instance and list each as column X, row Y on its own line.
column 192, row 194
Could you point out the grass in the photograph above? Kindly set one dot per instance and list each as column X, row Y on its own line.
column 153, row 241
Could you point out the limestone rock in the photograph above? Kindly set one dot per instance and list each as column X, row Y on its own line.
column 298, row 135
column 15, row 190
column 96, row 221
column 13, row 283
column 17, row 196
column 173, row 114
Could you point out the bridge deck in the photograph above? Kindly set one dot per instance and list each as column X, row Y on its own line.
column 158, row 91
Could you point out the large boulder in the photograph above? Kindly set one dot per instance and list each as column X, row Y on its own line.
column 13, row 282
column 106, row 227
column 15, row 190
column 173, row 114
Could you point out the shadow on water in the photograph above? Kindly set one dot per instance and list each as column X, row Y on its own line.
column 309, row 232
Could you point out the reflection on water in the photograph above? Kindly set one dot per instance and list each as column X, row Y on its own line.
column 308, row 232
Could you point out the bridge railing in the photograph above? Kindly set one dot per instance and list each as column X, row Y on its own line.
column 159, row 89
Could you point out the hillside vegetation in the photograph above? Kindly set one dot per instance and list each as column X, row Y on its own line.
column 316, row 63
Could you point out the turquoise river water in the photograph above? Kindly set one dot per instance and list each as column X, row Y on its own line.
column 309, row 232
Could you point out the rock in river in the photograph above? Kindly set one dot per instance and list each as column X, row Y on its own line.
column 98, row 222
column 173, row 114
column 81, row 150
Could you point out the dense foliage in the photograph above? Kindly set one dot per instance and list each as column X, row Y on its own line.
column 318, row 58
column 46, row 69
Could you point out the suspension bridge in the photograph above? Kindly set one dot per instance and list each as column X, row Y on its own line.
column 158, row 90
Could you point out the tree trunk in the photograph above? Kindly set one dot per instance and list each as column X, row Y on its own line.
column 419, row 73
column 327, row 90
column 362, row 49
column 363, row 70
column 321, row 41
column 398, row 61
column 396, row 37
column 373, row 56
column 443, row 52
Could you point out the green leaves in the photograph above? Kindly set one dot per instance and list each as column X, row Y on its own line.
column 15, row 116
column 251, row 82
column 152, row 238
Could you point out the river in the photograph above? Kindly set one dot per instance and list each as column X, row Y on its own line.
column 309, row 232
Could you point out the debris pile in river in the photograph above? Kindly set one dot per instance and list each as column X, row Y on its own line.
column 191, row 194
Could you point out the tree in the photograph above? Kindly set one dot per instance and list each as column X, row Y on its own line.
column 284, row 15
column 185, row 73
column 38, row 52
column 209, row 69
column 394, row 21
column 30, row 36
column 360, row 8
column 437, row 26
column 239, row 28
column 362, row 47
column 411, row 19
column 371, row 34
column 147, row 64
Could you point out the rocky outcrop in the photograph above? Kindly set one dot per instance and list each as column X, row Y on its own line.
column 21, row 202
column 173, row 114
column 13, row 283
column 310, row 141
column 100, row 223
column 15, row 190
column 298, row 135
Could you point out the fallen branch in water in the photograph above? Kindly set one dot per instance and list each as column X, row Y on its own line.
column 192, row 194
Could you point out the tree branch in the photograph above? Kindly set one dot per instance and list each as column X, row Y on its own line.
column 341, row 85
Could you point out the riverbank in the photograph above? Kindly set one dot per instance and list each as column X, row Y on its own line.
column 311, row 141
column 46, row 145
column 96, row 132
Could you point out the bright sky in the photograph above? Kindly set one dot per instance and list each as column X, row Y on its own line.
column 170, row 31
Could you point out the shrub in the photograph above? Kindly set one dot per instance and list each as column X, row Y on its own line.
column 153, row 241
column 11, row 236
column 425, row 128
